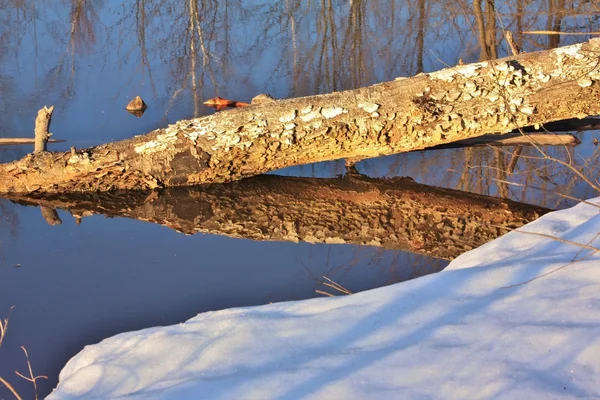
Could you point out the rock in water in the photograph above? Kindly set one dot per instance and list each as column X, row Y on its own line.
column 136, row 104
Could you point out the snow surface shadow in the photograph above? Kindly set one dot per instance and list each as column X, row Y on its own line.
column 478, row 332
column 439, row 290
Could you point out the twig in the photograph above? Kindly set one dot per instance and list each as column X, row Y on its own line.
column 559, row 33
column 4, row 325
column 566, row 196
column 333, row 285
column 325, row 293
column 517, row 151
column 554, row 270
column 9, row 387
column 513, row 161
column 9, row 141
column 511, row 43
column 33, row 379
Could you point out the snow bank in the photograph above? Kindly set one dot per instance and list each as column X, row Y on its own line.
column 480, row 329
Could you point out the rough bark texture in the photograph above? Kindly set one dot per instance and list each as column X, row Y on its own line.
column 393, row 213
column 42, row 128
column 50, row 215
column 402, row 115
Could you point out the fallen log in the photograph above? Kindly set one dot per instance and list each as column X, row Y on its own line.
column 393, row 213
column 403, row 115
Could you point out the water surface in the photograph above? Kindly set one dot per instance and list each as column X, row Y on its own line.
column 73, row 285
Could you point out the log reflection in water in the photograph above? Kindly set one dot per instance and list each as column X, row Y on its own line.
column 392, row 213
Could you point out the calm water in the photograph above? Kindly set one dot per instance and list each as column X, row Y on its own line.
column 75, row 285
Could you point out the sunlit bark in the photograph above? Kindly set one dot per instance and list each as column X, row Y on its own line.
column 391, row 117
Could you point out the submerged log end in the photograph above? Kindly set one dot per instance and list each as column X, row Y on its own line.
column 42, row 127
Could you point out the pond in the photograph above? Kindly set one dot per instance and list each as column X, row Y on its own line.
column 73, row 284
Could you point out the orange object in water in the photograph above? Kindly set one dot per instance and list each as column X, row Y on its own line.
column 220, row 103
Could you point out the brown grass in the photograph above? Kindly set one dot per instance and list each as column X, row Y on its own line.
column 31, row 378
column 334, row 285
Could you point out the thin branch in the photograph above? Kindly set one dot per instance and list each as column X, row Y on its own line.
column 334, row 285
column 554, row 270
column 9, row 387
column 325, row 293
column 4, row 325
column 559, row 33
column 32, row 378
column 566, row 196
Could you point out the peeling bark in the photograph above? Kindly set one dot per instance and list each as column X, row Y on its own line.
column 392, row 213
column 402, row 115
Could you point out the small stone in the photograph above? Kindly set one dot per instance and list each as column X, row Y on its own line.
column 137, row 104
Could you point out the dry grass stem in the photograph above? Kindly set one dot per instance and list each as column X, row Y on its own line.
column 324, row 293
column 4, row 326
column 566, row 196
column 335, row 286
column 556, row 269
column 9, row 387
column 31, row 378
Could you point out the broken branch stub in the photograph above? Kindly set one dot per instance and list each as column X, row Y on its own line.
column 392, row 117
column 42, row 129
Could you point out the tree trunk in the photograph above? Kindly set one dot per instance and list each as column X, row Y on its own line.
column 392, row 213
column 392, row 117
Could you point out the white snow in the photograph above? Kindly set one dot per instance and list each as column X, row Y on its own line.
column 482, row 328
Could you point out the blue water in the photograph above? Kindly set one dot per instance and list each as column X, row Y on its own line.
column 75, row 285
